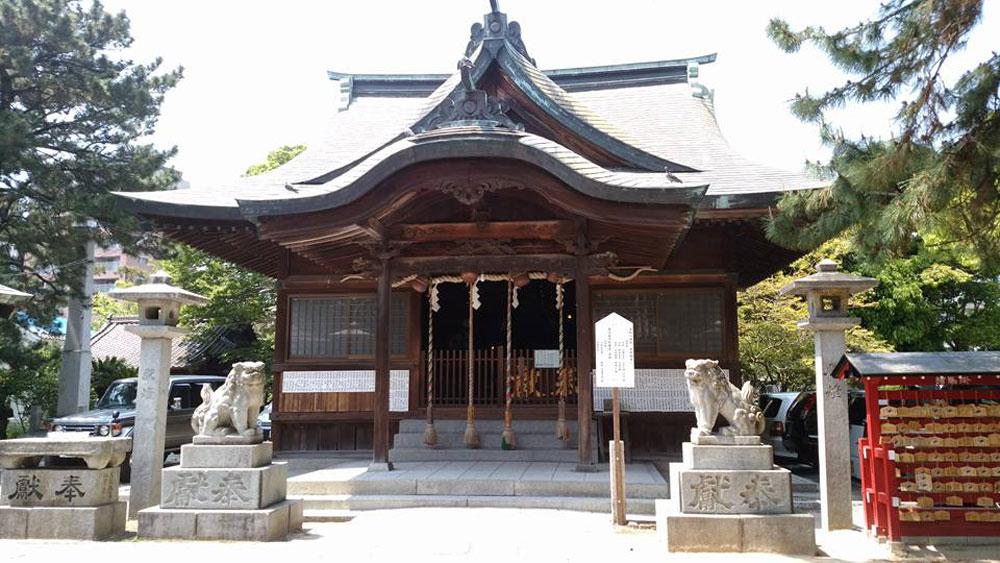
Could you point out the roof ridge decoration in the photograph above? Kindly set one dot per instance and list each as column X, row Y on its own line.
column 497, row 27
column 470, row 107
column 497, row 44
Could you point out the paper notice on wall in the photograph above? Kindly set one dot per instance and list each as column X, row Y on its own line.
column 349, row 381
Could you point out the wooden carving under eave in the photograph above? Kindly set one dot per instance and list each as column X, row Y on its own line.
column 471, row 192
column 474, row 247
column 499, row 230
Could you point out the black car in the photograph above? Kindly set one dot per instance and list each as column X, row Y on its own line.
column 119, row 401
column 801, row 426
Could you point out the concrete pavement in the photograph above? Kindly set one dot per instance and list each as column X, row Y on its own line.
column 445, row 535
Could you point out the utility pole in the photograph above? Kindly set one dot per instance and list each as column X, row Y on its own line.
column 74, row 374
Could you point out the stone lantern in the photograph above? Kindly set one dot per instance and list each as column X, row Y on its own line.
column 827, row 294
column 159, row 311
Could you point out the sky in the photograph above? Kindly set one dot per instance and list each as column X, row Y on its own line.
column 255, row 71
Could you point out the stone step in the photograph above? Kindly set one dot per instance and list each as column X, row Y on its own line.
column 487, row 440
column 318, row 489
column 416, row 426
column 318, row 505
column 483, row 454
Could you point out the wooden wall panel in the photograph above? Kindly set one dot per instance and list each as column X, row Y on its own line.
column 324, row 436
column 326, row 402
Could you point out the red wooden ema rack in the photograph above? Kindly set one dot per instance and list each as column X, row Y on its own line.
column 930, row 464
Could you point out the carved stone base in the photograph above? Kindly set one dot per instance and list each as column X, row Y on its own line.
column 727, row 457
column 234, row 439
column 791, row 534
column 702, row 491
column 235, row 456
column 732, row 499
column 273, row 523
column 723, row 440
column 223, row 492
column 78, row 523
column 224, row 488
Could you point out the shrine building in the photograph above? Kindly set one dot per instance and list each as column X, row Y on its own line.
column 442, row 257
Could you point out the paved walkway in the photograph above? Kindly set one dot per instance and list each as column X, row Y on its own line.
column 334, row 469
column 446, row 535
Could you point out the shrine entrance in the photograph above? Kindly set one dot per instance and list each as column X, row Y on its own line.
column 479, row 363
column 535, row 330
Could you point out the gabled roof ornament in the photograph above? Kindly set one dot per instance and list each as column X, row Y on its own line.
column 469, row 107
column 698, row 89
column 496, row 27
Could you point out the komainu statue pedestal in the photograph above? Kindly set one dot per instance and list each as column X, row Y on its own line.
column 732, row 498
column 223, row 492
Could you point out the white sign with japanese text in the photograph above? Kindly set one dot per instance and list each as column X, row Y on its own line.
column 615, row 347
column 547, row 359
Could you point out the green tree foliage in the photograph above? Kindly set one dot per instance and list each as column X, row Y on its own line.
column 773, row 350
column 940, row 171
column 73, row 117
column 105, row 371
column 103, row 307
column 276, row 158
column 933, row 300
column 29, row 373
column 241, row 301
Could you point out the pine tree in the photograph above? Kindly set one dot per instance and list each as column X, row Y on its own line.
column 73, row 116
column 937, row 177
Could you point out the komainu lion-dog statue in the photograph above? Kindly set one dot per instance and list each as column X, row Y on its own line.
column 229, row 414
column 712, row 394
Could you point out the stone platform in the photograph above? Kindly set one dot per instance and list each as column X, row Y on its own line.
column 62, row 502
column 223, row 492
column 776, row 533
column 536, row 442
column 338, row 487
column 77, row 523
column 732, row 499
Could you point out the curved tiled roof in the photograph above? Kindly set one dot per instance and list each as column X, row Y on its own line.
column 113, row 341
column 646, row 114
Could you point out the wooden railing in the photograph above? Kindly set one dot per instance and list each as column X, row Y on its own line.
column 531, row 385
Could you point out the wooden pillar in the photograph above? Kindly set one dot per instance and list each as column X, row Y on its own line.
column 380, row 440
column 584, row 363
column 280, row 345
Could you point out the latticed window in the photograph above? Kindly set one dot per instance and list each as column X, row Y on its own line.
column 668, row 322
column 343, row 326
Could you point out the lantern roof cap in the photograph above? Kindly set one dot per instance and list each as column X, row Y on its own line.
column 828, row 277
column 159, row 289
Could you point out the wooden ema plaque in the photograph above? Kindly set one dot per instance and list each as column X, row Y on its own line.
column 931, row 461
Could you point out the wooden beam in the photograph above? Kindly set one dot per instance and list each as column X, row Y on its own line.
column 561, row 263
column 745, row 214
column 510, row 230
